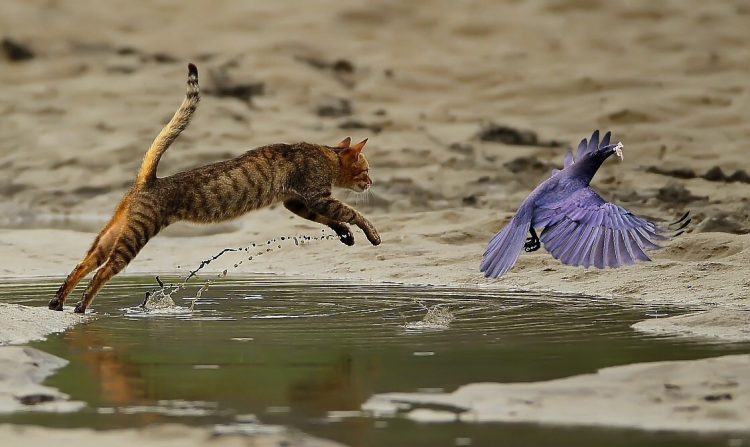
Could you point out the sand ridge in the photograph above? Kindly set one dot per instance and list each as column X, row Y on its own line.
column 702, row 395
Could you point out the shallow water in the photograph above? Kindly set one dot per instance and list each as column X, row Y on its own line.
column 307, row 353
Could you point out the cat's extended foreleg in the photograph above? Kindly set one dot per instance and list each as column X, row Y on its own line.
column 341, row 212
column 342, row 230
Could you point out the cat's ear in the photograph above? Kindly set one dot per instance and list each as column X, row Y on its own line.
column 357, row 148
column 344, row 143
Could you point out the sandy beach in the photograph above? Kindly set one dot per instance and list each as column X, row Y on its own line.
column 467, row 106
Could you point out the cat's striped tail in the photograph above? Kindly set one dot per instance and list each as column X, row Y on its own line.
column 171, row 131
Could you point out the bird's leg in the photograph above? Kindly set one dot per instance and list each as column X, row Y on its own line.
column 532, row 243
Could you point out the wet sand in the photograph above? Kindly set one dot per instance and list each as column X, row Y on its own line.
column 158, row 436
column 701, row 395
column 423, row 82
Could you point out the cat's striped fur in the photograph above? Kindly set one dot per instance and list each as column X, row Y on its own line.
column 300, row 175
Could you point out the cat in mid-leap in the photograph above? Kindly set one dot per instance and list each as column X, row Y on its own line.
column 299, row 175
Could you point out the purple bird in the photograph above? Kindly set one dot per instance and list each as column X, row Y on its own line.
column 580, row 228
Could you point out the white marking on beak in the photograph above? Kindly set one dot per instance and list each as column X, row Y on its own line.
column 618, row 150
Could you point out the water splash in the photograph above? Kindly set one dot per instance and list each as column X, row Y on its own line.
column 161, row 298
column 437, row 317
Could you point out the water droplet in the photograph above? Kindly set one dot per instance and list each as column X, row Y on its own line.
column 277, row 410
column 205, row 366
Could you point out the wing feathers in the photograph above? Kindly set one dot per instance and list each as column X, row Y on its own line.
column 605, row 140
column 584, row 230
column 504, row 249
column 582, row 149
column 594, row 141
column 568, row 159
column 575, row 256
column 623, row 254
column 597, row 253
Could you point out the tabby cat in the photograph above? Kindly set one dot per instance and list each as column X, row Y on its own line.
column 300, row 175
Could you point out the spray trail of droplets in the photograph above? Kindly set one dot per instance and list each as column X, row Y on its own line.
column 163, row 293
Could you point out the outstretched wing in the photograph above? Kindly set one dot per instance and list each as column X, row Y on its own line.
column 585, row 230
column 504, row 249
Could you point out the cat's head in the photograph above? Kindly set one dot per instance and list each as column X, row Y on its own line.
column 355, row 171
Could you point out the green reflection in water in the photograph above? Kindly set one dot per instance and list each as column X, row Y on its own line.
column 291, row 350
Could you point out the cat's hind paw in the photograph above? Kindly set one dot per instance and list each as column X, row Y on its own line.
column 55, row 304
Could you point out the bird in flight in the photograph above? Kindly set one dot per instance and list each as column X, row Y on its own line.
column 579, row 227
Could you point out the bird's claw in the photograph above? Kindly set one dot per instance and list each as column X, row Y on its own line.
column 532, row 244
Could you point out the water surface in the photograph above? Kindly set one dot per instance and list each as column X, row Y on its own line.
column 307, row 353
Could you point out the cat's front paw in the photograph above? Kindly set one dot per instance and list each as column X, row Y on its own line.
column 370, row 231
column 347, row 238
column 373, row 236
column 344, row 234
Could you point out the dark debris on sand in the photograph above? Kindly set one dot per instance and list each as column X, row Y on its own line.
column 15, row 51
column 223, row 86
column 341, row 69
column 715, row 174
column 528, row 164
column 337, row 66
column 724, row 222
column 357, row 124
column 34, row 399
column 677, row 193
column 499, row 133
column 332, row 107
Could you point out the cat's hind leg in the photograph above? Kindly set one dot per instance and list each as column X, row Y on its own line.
column 97, row 254
column 120, row 257
column 137, row 229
